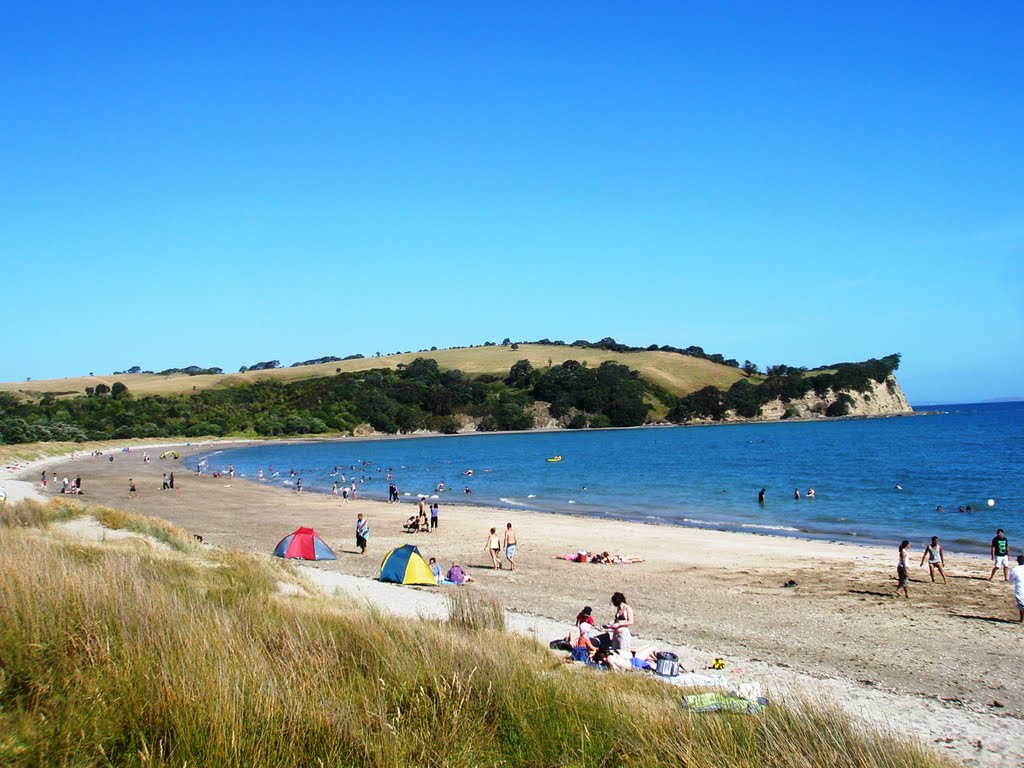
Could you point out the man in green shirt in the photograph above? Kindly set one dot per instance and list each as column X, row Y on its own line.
column 1000, row 555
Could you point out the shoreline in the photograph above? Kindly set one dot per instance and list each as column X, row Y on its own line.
column 824, row 521
column 708, row 593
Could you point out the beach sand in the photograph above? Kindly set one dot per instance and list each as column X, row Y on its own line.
column 942, row 667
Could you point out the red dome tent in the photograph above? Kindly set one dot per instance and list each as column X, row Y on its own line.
column 304, row 544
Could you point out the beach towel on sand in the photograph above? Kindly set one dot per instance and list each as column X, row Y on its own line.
column 713, row 701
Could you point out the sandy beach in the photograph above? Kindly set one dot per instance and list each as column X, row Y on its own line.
column 942, row 666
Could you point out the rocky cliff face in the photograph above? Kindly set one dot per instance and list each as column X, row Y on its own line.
column 885, row 399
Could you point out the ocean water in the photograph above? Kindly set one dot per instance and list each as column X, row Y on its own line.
column 706, row 476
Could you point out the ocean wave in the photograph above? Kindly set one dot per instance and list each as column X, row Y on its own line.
column 531, row 496
column 758, row 526
column 786, row 528
column 512, row 502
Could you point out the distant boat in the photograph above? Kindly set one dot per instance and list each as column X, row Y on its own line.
column 555, row 458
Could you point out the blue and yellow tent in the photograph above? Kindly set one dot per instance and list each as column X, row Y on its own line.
column 406, row 565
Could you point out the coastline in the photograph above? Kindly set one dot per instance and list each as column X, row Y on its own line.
column 707, row 593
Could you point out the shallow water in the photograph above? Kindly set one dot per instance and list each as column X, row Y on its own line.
column 707, row 476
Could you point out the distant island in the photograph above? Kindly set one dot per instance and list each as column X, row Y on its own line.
column 510, row 386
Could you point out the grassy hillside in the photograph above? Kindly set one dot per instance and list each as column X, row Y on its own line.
column 679, row 374
column 133, row 653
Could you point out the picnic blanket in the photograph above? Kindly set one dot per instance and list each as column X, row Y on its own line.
column 715, row 701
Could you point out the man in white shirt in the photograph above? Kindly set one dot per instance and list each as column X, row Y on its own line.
column 1017, row 579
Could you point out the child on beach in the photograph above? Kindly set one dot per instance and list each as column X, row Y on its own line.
column 902, row 579
column 933, row 553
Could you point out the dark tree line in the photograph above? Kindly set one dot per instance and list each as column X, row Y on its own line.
column 417, row 396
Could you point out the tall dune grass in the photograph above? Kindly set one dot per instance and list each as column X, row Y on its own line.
column 128, row 657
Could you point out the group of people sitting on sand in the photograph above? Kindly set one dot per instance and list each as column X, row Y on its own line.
column 601, row 558
column 610, row 645
column 417, row 524
column 454, row 575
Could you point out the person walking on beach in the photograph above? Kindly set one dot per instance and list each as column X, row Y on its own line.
column 1017, row 579
column 362, row 534
column 170, row 481
column 423, row 507
column 132, row 490
column 164, row 486
column 933, row 553
column 1000, row 555
column 760, row 496
column 902, row 579
column 298, row 486
column 433, row 516
column 493, row 547
column 511, row 539
column 334, row 490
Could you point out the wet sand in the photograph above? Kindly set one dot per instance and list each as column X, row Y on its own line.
column 936, row 665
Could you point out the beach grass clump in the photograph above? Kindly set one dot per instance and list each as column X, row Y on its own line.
column 34, row 514
column 133, row 657
column 474, row 611
column 172, row 536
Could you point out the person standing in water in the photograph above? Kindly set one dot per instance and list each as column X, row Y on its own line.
column 902, row 579
column 796, row 494
column 760, row 496
column 933, row 553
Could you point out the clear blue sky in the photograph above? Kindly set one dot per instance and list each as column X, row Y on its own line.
column 775, row 181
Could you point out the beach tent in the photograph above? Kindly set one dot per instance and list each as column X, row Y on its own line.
column 406, row 565
column 172, row 454
column 304, row 544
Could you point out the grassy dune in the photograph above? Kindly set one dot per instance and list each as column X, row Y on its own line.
column 125, row 654
column 678, row 374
